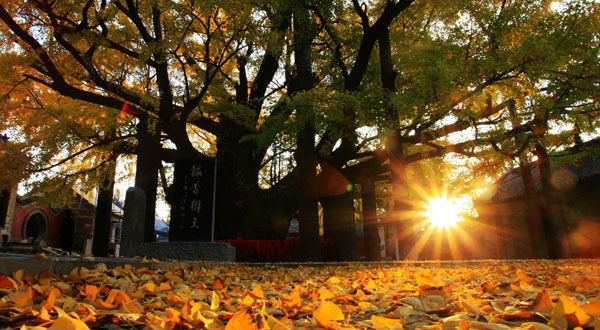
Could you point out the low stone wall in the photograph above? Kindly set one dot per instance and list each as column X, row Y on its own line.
column 193, row 251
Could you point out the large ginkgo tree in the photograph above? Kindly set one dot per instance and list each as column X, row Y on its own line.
column 340, row 92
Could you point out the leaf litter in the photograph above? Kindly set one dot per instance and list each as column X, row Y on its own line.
column 490, row 295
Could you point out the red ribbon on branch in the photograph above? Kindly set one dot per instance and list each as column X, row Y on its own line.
column 126, row 109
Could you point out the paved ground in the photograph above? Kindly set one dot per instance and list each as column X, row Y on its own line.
column 60, row 265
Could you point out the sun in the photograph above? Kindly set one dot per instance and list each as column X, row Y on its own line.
column 443, row 212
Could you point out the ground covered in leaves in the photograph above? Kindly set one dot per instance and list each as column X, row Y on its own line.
column 491, row 295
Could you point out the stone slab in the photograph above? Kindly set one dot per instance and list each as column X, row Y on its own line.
column 31, row 265
column 205, row 251
column 132, row 234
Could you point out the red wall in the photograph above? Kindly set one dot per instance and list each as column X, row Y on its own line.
column 52, row 235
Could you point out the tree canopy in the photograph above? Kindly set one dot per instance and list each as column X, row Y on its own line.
column 286, row 90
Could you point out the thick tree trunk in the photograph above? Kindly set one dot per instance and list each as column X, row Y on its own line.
column 369, row 201
column 146, row 175
column 303, row 80
column 405, row 234
column 308, row 211
column 102, row 219
column 338, row 217
column 533, row 211
column 242, row 209
column 233, row 187
column 552, row 219
column 404, row 224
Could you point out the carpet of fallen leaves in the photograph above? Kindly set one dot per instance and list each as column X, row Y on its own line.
column 493, row 295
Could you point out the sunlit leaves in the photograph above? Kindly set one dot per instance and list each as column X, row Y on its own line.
column 442, row 51
column 120, row 60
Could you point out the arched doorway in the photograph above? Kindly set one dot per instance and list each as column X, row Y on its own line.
column 35, row 226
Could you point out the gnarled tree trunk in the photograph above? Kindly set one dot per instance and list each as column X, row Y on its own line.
column 552, row 219
column 533, row 211
column 338, row 216
column 369, row 201
column 146, row 174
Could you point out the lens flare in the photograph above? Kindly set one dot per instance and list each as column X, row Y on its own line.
column 443, row 213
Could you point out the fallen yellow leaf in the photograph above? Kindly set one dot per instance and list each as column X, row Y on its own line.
column 535, row 326
column 218, row 285
column 371, row 285
column 434, row 303
column 380, row 323
column 327, row 314
column 242, row 320
column 18, row 275
column 569, row 310
column 7, row 282
column 53, row 293
column 325, row 294
column 133, row 307
column 173, row 314
column 69, row 304
column 148, row 287
column 21, row 298
column 592, row 308
column 164, row 286
column 66, row 322
column 470, row 304
column 101, row 304
column 247, row 300
column 542, row 303
column 43, row 314
column 214, row 301
column 44, row 277
column 91, row 291
column 294, row 300
column 258, row 292
column 275, row 324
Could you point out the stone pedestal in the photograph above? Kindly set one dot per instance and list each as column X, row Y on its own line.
column 132, row 234
column 87, row 249
column 192, row 251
